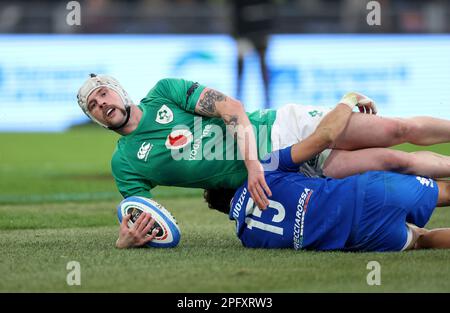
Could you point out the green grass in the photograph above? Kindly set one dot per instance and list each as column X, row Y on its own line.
column 57, row 204
column 59, row 167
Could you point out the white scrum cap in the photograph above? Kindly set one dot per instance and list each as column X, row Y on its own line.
column 96, row 81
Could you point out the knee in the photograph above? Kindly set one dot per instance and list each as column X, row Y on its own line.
column 417, row 237
column 421, row 241
column 397, row 161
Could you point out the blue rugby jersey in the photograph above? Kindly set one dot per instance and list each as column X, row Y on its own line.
column 304, row 213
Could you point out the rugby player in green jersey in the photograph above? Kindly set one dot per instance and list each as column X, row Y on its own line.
column 188, row 135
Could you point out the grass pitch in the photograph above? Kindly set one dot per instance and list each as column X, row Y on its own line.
column 58, row 204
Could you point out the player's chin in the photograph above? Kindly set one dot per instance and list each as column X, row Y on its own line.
column 115, row 122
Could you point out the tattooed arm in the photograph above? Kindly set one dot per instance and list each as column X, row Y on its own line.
column 213, row 103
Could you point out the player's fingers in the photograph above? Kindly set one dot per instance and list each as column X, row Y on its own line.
column 148, row 227
column 370, row 105
column 263, row 193
column 144, row 222
column 125, row 220
column 139, row 220
column 262, row 196
column 151, row 237
column 124, row 225
column 374, row 108
column 256, row 197
column 266, row 187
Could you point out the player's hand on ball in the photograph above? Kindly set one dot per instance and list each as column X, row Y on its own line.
column 257, row 185
column 135, row 236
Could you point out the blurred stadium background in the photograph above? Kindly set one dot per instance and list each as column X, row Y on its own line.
column 316, row 51
column 57, row 196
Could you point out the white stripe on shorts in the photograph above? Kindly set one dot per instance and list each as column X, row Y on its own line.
column 409, row 238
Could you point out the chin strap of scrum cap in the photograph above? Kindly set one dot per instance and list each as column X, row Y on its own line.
column 127, row 118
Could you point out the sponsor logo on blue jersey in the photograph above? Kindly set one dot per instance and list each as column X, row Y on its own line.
column 238, row 207
column 302, row 207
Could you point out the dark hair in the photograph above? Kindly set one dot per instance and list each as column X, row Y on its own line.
column 219, row 199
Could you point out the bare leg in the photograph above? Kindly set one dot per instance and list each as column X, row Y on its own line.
column 370, row 131
column 444, row 193
column 438, row 238
column 343, row 163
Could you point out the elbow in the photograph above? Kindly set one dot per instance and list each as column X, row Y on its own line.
column 230, row 108
column 236, row 105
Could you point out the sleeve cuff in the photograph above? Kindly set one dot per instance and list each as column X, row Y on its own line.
column 193, row 98
column 286, row 159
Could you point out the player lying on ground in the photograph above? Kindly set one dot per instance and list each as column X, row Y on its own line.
column 375, row 211
column 336, row 211
column 143, row 158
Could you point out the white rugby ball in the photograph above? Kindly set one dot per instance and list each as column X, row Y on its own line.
column 169, row 234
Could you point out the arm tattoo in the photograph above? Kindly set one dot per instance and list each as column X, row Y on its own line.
column 230, row 120
column 207, row 105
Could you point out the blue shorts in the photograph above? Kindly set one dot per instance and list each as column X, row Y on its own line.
column 390, row 201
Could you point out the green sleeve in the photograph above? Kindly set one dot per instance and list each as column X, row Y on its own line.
column 127, row 181
column 184, row 93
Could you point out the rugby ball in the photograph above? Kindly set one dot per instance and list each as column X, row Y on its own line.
column 168, row 235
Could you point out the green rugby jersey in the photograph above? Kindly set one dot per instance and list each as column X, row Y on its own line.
column 174, row 146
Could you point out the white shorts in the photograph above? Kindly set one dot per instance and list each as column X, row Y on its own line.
column 295, row 122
